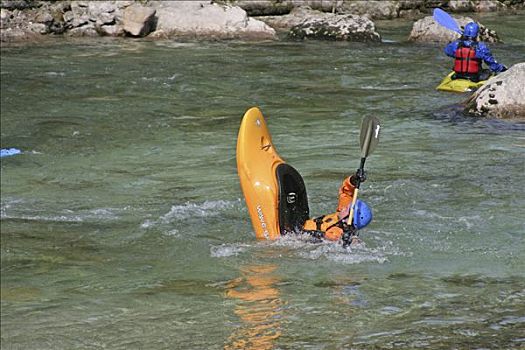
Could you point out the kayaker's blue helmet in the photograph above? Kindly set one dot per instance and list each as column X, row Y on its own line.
column 471, row 30
column 363, row 214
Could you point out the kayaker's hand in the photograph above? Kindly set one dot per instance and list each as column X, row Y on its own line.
column 360, row 174
column 350, row 236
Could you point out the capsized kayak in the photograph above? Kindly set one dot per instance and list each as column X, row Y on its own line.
column 274, row 191
column 458, row 85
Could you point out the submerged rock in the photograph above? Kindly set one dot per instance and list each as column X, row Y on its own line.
column 428, row 30
column 502, row 96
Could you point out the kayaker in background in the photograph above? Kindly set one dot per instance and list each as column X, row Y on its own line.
column 334, row 226
column 469, row 55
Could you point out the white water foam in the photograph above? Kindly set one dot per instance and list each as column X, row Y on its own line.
column 191, row 210
column 69, row 216
column 187, row 210
column 302, row 247
column 227, row 250
column 21, row 210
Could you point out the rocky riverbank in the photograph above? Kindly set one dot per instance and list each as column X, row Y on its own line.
column 28, row 20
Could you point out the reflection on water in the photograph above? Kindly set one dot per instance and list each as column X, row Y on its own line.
column 259, row 308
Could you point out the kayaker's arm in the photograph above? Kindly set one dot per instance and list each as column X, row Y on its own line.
column 484, row 53
column 346, row 191
column 450, row 49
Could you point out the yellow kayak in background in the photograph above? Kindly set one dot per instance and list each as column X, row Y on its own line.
column 274, row 191
column 458, row 85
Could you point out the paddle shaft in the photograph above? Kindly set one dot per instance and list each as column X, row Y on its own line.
column 356, row 191
column 369, row 137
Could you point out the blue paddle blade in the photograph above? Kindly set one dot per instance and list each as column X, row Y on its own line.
column 6, row 152
column 446, row 20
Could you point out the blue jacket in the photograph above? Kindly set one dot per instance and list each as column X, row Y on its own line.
column 482, row 52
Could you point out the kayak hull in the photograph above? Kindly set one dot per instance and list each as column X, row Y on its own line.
column 257, row 161
column 458, row 85
column 274, row 191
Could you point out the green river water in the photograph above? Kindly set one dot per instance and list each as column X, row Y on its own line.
column 123, row 225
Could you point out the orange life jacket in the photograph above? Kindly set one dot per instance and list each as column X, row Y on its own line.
column 466, row 61
column 330, row 224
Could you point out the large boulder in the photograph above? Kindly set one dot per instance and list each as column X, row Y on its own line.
column 312, row 24
column 138, row 20
column 428, row 30
column 502, row 96
column 202, row 19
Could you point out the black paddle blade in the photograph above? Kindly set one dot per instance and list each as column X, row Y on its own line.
column 369, row 136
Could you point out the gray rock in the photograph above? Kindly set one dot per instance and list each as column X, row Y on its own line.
column 138, row 20
column 39, row 28
column 88, row 30
column 327, row 26
column 105, row 18
column 282, row 7
column 69, row 16
column 95, row 8
column 476, row 5
column 20, row 25
column 428, row 30
column 488, row 6
column 200, row 19
column 502, row 96
column 376, row 9
column 109, row 30
column 44, row 17
column 286, row 22
column 372, row 9
column 263, row 7
column 460, row 5
column 5, row 18
column 17, row 4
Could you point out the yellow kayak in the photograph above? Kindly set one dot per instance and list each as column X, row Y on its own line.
column 458, row 85
column 274, row 191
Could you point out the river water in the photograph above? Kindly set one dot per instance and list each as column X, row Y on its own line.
column 123, row 225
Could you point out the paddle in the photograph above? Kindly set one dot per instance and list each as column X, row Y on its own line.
column 369, row 137
column 446, row 20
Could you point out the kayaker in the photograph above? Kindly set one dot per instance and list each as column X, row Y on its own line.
column 469, row 55
column 334, row 226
